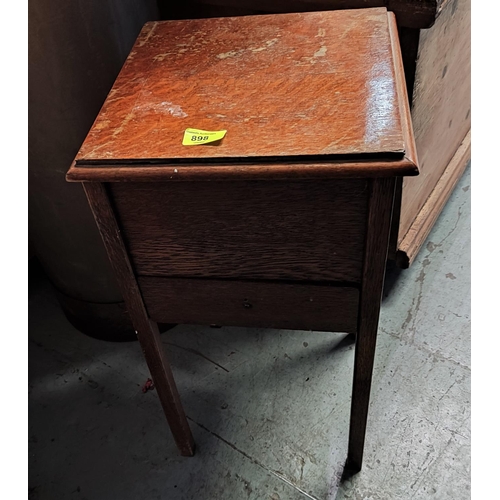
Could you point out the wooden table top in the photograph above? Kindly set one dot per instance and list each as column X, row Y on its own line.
column 307, row 88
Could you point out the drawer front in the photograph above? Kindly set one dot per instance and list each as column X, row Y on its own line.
column 251, row 304
column 274, row 230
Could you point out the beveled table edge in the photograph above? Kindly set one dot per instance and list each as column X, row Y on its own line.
column 369, row 168
column 403, row 101
column 156, row 173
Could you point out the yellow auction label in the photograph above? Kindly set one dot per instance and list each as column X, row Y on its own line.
column 194, row 137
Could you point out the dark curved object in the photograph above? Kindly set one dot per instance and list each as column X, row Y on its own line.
column 76, row 50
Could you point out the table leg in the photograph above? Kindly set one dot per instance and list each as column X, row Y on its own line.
column 147, row 331
column 377, row 239
column 149, row 338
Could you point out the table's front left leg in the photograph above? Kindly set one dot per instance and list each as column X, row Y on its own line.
column 154, row 353
column 147, row 331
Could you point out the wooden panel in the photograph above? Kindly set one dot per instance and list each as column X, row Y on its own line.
column 422, row 225
column 252, row 230
column 319, row 83
column 441, row 104
column 251, row 304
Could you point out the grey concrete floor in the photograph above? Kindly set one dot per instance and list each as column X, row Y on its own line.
column 268, row 408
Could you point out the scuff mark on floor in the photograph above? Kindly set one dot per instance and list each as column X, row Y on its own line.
column 255, row 461
column 198, row 353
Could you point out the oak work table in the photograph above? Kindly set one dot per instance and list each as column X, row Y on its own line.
column 284, row 223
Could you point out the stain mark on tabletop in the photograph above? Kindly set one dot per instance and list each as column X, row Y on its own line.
column 267, row 45
column 239, row 52
column 231, row 53
column 321, row 52
column 148, row 34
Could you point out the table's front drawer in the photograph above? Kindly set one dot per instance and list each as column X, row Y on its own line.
column 251, row 304
column 275, row 230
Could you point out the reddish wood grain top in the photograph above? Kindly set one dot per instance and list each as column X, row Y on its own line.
column 319, row 84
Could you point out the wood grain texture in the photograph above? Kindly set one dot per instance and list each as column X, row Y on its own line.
column 294, row 306
column 441, row 109
column 411, row 151
column 377, row 239
column 147, row 331
column 318, row 83
column 423, row 223
column 239, row 171
column 247, row 230
column 402, row 95
column 441, row 5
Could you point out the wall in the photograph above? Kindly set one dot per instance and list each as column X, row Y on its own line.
column 76, row 49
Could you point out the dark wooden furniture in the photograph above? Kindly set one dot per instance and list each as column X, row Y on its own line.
column 285, row 222
column 435, row 44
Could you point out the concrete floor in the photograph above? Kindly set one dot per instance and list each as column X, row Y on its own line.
column 268, row 408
